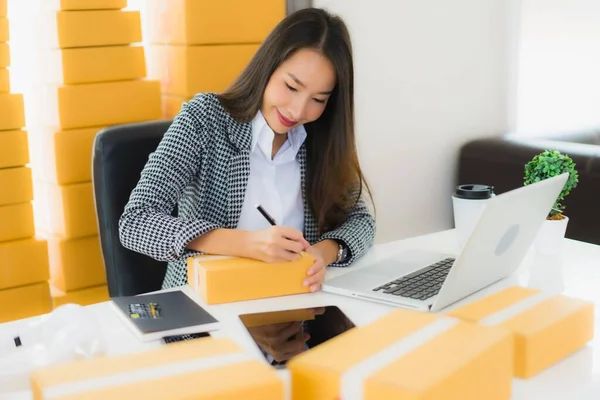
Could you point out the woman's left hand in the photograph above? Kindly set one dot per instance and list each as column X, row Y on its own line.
column 316, row 273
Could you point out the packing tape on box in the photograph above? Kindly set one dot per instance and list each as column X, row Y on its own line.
column 146, row 374
column 352, row 381
column 515, row 309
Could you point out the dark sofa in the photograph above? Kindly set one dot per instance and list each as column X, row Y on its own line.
column 500, row 162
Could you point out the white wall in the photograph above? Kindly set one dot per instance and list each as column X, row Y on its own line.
column 429, row 76
column 559, row 78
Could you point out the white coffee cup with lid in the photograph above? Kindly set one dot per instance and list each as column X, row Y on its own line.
column 468, row 202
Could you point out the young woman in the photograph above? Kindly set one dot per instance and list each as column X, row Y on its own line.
column 282, row 136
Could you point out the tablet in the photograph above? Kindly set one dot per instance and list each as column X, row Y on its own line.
column 282, row 335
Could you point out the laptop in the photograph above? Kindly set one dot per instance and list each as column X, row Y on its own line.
column 429, row 281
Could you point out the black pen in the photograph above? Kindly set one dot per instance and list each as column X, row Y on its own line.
column 266, row 215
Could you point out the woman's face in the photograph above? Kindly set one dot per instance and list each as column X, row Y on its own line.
column 298, row 90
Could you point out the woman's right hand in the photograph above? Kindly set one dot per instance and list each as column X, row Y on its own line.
column 276, row 244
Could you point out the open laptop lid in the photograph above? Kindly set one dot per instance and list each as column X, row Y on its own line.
column 502, row 237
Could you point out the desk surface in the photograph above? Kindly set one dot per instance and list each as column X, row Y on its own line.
column 576, row 272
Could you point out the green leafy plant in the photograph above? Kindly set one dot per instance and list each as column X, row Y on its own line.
column 546, row 165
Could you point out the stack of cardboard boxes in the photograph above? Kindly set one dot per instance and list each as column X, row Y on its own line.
column 202, row 46
column 24, row 288
column 94, row 76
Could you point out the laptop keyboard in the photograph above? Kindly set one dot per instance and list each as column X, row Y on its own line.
column 421, row 284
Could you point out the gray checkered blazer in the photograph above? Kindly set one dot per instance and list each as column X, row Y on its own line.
column 202, row 165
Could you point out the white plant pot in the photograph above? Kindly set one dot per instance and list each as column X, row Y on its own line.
column 551, row 236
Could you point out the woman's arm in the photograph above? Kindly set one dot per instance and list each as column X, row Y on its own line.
column 357, row 233
column 147, row 225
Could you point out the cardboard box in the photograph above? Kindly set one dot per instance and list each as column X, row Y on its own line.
column 277, row 317
column 212, row 21
column 17, row 222
column 75, row 263
column 95, row 64
column 101, row 104
column 408, row 355
column 171, row 105
column 13, row 111
column 202, row 369
column 23, row 262
column 25, row 301
column 3, row 8
column 4, row 30
column 4, row 55
column 221, row 279
column 74, row 5
column 187, row 70
column 67, row 29
column 16, row 185
column 4, row 80
column 69, row 209
column 63, row 157
column 546, row 327
column 14, row 149
column 83, row 297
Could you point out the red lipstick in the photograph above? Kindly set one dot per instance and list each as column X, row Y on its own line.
column 284, row 121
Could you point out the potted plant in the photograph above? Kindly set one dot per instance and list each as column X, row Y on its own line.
column 545, row 165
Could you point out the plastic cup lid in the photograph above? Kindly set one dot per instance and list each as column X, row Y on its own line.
column 474, row 192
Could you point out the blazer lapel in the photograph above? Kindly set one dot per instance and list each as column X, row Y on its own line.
column 310, row 226
column 240, row 135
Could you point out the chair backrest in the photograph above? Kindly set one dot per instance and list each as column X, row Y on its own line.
column 119, row 155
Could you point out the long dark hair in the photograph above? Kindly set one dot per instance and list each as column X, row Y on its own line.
column 334, row 180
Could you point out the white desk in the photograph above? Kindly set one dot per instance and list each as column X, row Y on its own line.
column 576, row 273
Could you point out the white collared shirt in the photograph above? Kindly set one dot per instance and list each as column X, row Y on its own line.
column 273, row 183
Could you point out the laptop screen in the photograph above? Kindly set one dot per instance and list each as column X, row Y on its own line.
column 282, row 335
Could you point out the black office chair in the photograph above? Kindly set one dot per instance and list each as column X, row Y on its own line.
column 119, row 155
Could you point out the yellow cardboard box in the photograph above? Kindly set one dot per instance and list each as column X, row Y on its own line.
column 408, row 355
column 203, row 369
column 14, row 149
column 17, row 222
column 95, row 64
column 16, row 185
column 84, row 297
column 187, row 70
column 25, row 301
column 3, row 8
column 4, row 80
column 13, row 111
column 101, row 104
column 23, row 262
column 4, row 30
column 63, row 156
column 212, row 21
column 4, row 55
column 221, row 279
column 93, row 28
column 69, row 209
column 277, row 317
column 75, row 263
column 74, row 5
column 171, row 105
column 546, row 327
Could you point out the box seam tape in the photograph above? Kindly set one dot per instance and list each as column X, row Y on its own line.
column 515, row 309
column 144, row 374
column 353, row 379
